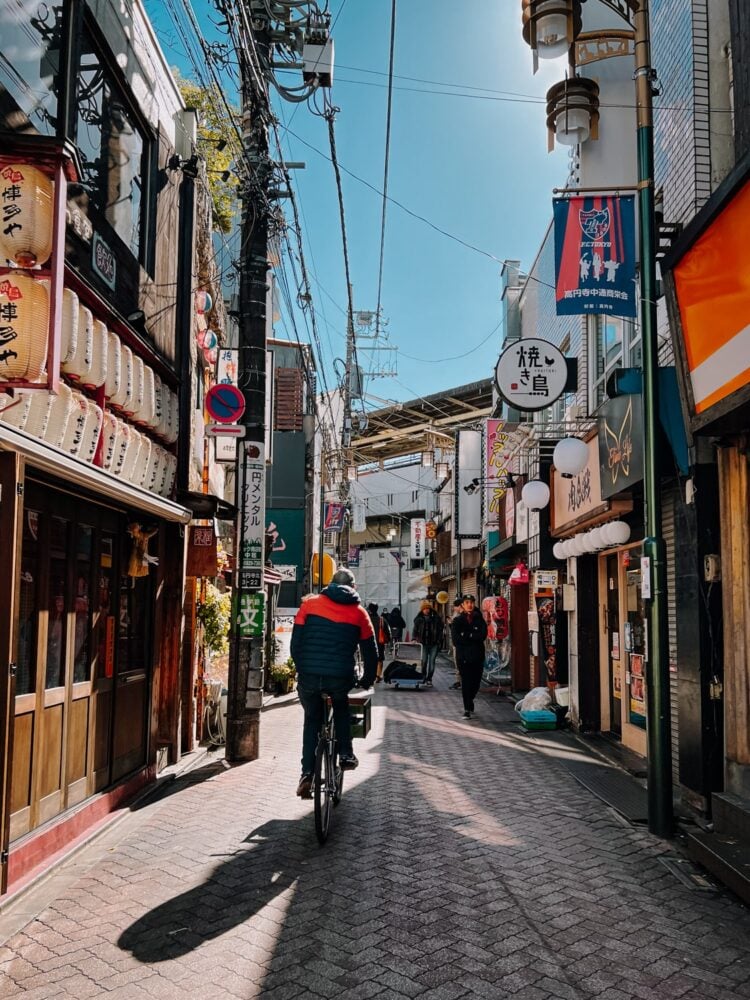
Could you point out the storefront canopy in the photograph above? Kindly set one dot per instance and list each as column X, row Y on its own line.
column 52, row 460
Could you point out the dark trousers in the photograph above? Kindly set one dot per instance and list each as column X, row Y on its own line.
column 470, row 668
column 310, row 689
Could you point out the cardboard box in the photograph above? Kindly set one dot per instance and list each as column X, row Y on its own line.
column 360, row 714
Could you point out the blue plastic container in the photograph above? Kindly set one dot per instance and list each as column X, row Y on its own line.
column 541, row 718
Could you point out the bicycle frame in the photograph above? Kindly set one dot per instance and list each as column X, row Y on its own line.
column 329, row 778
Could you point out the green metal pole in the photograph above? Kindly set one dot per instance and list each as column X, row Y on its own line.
column 660, row 809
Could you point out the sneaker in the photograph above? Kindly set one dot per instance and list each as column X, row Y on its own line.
column 467, row 714
column 472, row 707
column 456, row 686
column 304, row 788
column 348, row 762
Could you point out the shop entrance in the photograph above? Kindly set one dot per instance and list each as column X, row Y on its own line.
column 614, row 662
column 81, row 690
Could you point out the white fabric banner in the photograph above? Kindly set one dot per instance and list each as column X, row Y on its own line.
column 417, row 538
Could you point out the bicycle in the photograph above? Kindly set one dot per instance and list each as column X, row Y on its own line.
column 329, row 777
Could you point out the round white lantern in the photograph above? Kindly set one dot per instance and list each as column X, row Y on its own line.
column 60, row 415
column 589, row 543
column 91, row 431
column 535, row 494
column 24, row 305
column 558, row 550
column 123, row 397
column 596, row 538
column 16, row 411
column 570, row 456
column 139, row 384
column 158, row 415
column 74, row 432
column 146, row 414
column 618, row 533
column 27, row 236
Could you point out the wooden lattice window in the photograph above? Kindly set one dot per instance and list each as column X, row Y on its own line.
column 289, row 399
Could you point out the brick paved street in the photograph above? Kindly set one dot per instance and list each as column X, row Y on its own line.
column 464, row 861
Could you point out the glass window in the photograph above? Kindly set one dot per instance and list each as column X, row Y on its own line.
column 31, row 34
column 615, row 344
column 134, row 633
column 56, row 604
column 29, row 605
column 81, row 607
column 111, row 147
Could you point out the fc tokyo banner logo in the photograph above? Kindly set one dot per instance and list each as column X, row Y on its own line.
column 595, row 255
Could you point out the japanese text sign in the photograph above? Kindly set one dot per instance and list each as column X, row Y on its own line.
column 595, row 255
column 252, row 515
column 417, row 537
column 531, row 374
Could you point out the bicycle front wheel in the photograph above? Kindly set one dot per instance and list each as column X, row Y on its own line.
column 325, row 782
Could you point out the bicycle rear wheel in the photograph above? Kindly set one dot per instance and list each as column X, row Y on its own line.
column 325, row 782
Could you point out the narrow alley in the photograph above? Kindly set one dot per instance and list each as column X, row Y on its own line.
column 464, row 861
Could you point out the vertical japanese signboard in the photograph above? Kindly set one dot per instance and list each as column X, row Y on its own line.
column 226, row 374
column 251, row 615
column 417, row 537
column 595, row 256
column 468, row 495
column 496, row 468
column 252, row 497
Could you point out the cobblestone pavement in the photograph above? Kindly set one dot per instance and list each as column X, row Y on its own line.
column 464, row 862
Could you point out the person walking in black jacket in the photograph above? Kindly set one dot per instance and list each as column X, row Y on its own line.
column 327, row 630
column 397, row 623
column 469, row 630
column 428, row 629
column 382, row 631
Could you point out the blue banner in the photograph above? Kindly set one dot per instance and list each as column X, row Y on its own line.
column 334, row 517
column 595, row 256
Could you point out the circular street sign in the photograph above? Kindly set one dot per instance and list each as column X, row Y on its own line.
column 225, row 403
column 531, row 374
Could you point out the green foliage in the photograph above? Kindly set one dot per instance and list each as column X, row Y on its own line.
column 214, row 125
column 214, row 614
column 283, row 671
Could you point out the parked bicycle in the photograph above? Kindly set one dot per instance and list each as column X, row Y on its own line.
column 329, row 777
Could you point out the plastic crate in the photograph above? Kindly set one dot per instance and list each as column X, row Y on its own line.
column 360, row 714
column 541, row 718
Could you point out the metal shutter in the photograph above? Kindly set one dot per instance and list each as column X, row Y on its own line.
column 670, row 497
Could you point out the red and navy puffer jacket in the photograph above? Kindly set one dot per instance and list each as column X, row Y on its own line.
column 327, row 630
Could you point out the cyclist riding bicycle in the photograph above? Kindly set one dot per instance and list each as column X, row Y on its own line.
column 328, row 628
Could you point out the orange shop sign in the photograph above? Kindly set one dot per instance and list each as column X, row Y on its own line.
column 712, row 293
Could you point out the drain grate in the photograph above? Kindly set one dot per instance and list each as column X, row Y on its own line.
column 689, row 874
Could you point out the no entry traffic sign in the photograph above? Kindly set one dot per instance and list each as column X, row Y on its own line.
column 225, row 403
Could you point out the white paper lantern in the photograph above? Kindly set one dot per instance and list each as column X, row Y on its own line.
column 69, row 326
column 79, row 366
column 133, row 452
column 156, row 418
column 535, row 494
column 74, row 432
column 154, row 468
column 24, row 304
column 619, row 532
column 27, row 239
column 558, row 550
column 41, row 402
column 125, row 449
column 170, row 477
column 589, row 544
column 114, row 365
column 570, row 456
column 142, row 463
column 91, row 432
column 100, row 356
column 149, row 392
column 174, row 417
column 110, row 440
column 139, row 382
column 62, row 410
column 121, row 400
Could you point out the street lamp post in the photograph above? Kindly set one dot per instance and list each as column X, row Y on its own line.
column 636, row 13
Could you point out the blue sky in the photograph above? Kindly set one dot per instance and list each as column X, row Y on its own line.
column 475, row 165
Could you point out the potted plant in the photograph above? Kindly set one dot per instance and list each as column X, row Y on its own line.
column 282, row 677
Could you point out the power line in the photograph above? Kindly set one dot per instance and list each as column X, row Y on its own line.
column 385, row 164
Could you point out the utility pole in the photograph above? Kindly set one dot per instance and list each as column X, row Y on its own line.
column 346, row 432
column 248, row 612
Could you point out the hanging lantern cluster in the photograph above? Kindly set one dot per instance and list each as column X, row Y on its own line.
column 207, row 339
column 605, row 536
column 26, row 213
